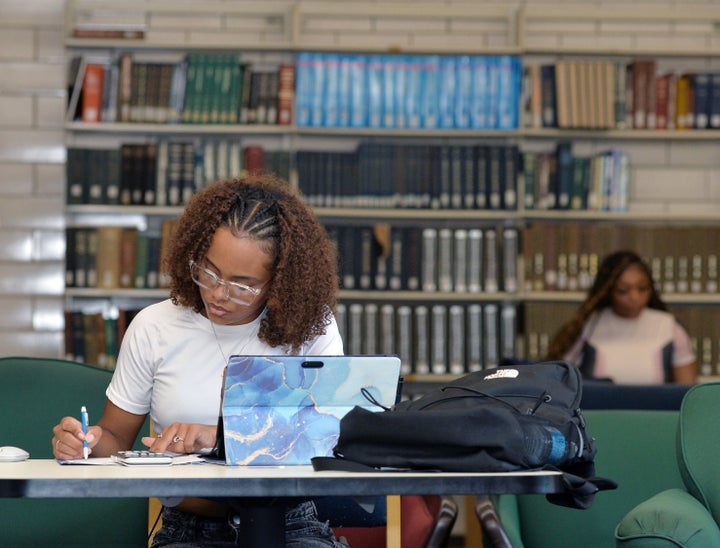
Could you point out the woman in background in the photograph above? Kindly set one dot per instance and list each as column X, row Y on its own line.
column 623, row 331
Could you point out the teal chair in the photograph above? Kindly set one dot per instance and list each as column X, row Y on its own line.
column 35, row 393
column 687, row 516
column 635, row 448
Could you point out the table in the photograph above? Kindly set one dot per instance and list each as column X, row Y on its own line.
column 45, row 478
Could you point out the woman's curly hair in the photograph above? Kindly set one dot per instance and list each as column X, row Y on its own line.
column 600, row 296
column 303, row 290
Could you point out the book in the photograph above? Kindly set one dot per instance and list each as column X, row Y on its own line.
column 444, row 247
column 491, row 320
column 475, row 260
column 491, row 278
column 405, row 341
column 508, row 331
column 430, row 263
column 286, row 94
column 109, row 240
column 714, row 114
column 78, row 256
column 564, row 173
column 460, row 260
column 422, row 340
column 370, row 329
column 387, row 343
column 510, row 254
column 109, row 31
column 128, row 257
column 92, row 86
column 549, row 97
column 438, row 340
column 702, row 97
column 475, row 337
column 456, row 339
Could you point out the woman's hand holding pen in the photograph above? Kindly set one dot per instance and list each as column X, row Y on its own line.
column 67, row 441
column 182, row 438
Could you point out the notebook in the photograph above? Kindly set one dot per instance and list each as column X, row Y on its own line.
column 284, row 410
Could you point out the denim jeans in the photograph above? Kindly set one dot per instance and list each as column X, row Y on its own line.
column 182, row 530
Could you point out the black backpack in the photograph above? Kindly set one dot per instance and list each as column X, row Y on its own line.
column 504, row 419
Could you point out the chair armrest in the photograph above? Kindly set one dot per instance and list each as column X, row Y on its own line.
column 671, row 518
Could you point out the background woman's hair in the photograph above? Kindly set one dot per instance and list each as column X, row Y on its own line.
column 302, row 293
column 600, row 296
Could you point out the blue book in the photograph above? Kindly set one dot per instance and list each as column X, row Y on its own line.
column 430, row 79
column 509, row 84
column 479, row 102
column 358, row 91
column 389, row 97
column 493, row 91
column 331, row 64
column 447, row 92
column 374, row 86
column 303, row 86
column 702, row 98
column 317, row 90
column 413, row 91
column 401, row 90
column 344, row 88
column 463, row 75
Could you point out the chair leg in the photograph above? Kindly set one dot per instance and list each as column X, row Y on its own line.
column 440, row 535
column 490, row 522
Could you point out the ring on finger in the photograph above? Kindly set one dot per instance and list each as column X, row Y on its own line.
column 177, row 439
column 57, row 444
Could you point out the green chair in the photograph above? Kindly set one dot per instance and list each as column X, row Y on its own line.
column 686, row 516
column 35, row 393
column 635, row 448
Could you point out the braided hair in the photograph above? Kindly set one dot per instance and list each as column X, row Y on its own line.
column 303, row 292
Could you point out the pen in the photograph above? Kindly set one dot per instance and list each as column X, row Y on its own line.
column 84, row 419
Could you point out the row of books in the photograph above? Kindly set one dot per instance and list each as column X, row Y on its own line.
column 561, row 180
column 566, row 256
column 556, row 256
column 112, row 257
column 207, row 88
column 407, row 91
column 437, row 339
column 94, row 337
column 454, row 176
column 607, row 94
column 429, row 259
column 167, row 172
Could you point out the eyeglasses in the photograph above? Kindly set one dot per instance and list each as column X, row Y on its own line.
column 234, row 291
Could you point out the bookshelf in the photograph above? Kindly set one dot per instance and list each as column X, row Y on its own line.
column 508, row 306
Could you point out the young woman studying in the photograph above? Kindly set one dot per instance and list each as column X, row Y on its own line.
column 251, row 271
column 623, row 331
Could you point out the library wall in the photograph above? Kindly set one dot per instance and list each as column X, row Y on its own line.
column 672, row 176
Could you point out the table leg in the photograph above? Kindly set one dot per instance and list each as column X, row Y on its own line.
column 393, row 522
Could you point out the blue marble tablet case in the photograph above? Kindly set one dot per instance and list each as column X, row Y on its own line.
column 284, row 410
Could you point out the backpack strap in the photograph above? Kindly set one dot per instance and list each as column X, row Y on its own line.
column 320, row 464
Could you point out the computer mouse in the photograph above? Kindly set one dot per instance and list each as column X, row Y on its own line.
column 9, row 453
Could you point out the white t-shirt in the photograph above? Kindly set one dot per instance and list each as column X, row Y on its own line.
column 171, row 365
column 630, row 351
